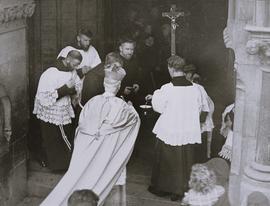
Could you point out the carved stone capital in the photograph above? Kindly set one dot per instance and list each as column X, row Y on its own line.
column 259, row 43
column 16, row 12
column 260, row 48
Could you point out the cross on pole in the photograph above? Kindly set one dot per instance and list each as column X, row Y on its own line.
column 173, row 15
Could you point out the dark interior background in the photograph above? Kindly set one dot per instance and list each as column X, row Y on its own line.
column 199, row 38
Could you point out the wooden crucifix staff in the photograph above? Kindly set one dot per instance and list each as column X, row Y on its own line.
column 173, row 15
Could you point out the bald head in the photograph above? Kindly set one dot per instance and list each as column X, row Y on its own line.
column 74, row 54
column 73, row 59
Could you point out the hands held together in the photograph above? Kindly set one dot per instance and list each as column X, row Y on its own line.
column 135, row 88
column 72, row 81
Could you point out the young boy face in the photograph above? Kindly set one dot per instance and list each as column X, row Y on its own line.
column 189, row 76
column 228, row 121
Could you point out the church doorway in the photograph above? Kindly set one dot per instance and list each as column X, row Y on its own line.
column 199, row 39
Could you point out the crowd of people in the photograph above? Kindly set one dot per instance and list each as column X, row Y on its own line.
column 90, row 118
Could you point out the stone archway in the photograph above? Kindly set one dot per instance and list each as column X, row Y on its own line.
column 248, row 29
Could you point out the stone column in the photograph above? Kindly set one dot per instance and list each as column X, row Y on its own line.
column 250, row 36
column 263, row 135
column 14, row 77
column 261, row 14
column 257, row 173
column 250, row 168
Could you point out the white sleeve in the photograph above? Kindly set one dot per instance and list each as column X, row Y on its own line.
column 47, row 91
column 48, row 80
column 64, row 52
column 203, row 99
column 160, row 99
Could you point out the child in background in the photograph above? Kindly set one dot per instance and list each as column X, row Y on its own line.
column 83, row 198
column 226, row 151
column 224, row 129
column 203, row 189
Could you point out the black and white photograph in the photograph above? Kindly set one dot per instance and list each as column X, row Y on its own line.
column 134, row 102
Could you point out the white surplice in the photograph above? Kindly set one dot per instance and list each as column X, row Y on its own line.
column 104, row 141
column 179, row 122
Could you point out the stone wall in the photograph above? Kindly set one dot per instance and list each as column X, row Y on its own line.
column 14, row 76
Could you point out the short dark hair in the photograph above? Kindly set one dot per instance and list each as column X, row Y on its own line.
column 113, row 57
column 75, row 55
column 176, row 62
column 231, row 115
column 85, row 31
column 126, row 39
column 83, row 196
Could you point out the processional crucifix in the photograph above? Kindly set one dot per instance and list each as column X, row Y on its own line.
column 173, row 15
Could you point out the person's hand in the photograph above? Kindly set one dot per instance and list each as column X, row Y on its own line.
column 148, row 97
column 225, row 132
column 7, row 134
column 71, row 83
column 86, row 69
column 136, row 87
column 128, row 90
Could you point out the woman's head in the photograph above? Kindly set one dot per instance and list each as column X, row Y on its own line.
column 114, row 73
column 202, row 179
column 112, row 58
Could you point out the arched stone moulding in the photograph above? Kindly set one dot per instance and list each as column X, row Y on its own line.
column 16, row 12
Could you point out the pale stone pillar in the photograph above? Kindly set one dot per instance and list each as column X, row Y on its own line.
column 263, row 136
column 250, row 36
column 257, row 173
column 261, row 7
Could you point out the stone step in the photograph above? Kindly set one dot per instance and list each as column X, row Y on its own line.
column 31, row 201
column 137, row 195
column 41, row 183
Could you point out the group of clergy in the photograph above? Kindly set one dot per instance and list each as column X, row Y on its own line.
column 102, row 97
column 79, row 86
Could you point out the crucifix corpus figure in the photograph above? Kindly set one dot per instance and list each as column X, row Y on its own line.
column 173, row 15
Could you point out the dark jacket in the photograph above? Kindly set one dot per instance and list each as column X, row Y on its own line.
column 93, row 83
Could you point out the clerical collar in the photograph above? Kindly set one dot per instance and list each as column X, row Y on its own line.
column 181, row 81
column 60, row 65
